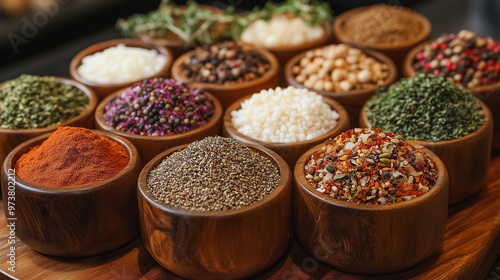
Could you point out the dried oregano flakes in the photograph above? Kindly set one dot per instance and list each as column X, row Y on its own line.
column 425, row 107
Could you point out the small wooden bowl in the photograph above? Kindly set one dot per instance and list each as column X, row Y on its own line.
column 466, row 158
column 284, row 53
column 396, row 52
column 104, row 90
column 230, row 92
column 151, row 146
column 229, row 244
column 290, row 152
column 489, row 94
column 73, row 222
column 369, row 239
column 11, row 138
column 352, row 100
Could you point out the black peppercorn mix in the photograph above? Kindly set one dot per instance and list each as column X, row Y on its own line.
column 368, row 166
column 159, row 107
column 465, row 59
column 224, row 62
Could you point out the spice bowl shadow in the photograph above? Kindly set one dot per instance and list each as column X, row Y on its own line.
column 103, row 90
column 352, row 100
column 229, row 92
column 290, row 152
column 489, row 94
column 369, row 239
column 11, row 138
column 466, row 158
column 151, row 146
column 285, row 53
column 228, row 244
column 396, row 52
column 74, row 222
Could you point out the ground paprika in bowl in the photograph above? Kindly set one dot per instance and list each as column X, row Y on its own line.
column 81, row 201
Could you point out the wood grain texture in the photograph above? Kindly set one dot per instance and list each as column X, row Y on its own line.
column 397, row 52
column 150, row 146
column 290, row 152
column 230, row 92
column 351, row 100
column 229, row 244
column 470, row 246
column 74, row 222
column 103, row 90
column 466, row 158
column 489, row 94
column 369, row 239
column 11, row 138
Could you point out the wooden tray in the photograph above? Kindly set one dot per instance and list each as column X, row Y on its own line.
column 470, row 247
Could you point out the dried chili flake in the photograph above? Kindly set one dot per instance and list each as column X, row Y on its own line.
column 368, row 166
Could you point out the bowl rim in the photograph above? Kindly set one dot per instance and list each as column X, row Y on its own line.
column 228, row 126
column 283, row 169
column 88, row 111
column 99, row 118
column 267, row 76
column 80, row 190
column 380, row 57
column 439, row 186
column 408, row 70
column 101, row 46
column 339, row 32
column 327, row 31
column 488, row 122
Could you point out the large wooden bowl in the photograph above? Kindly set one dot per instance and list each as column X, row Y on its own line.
column 290, row 152
column 466, row 158
column 11, row 138
column 284, row 53
column 73, row 222
column 352, row 100
column 104, row 90
column 151, row 146
column 369, row 239
column 229, row 92
column 396, row 52
column 230, row 244
column 489, row 94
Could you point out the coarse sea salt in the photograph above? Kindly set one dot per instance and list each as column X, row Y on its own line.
column 121, row 64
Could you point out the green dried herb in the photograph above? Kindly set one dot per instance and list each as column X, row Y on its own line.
column 34, row 102
column 425, row 107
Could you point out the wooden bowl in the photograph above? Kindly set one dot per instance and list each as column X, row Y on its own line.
column 290, row 152
column 489, row 94
column 217, row 244
column 396, row 52
column 151, row 146
column 284, row 53
column 369, row 239
column 73, row 222
column 104, row 90
column 352, row 100
column 11, row 138
column 230, row 92
column 466, row 158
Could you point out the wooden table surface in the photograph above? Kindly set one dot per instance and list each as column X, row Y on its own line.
column 470, row 247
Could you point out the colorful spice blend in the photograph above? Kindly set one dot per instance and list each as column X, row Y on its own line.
column 33, row 102
column 383, row 24
column 224, row 62
column 368, row 166
column 159, row 107
column 213, row 174
column 72, row 157
column 425, row 107
column 464, row 58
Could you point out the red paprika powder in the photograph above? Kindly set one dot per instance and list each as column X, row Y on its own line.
column 72, row 157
